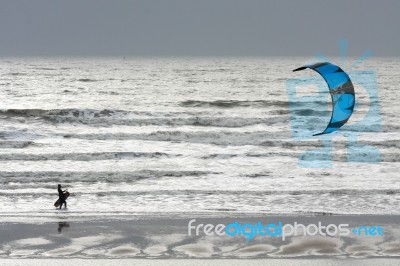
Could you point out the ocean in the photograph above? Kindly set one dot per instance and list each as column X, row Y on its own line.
column 176, row 136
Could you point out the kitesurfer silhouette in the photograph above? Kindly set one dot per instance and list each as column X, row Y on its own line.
column 61, row 196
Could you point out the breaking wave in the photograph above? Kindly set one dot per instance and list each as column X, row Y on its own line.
column 92, row 177
column 237, row 103
column 108, row 117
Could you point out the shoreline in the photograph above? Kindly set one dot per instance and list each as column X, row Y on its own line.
column 55, row 215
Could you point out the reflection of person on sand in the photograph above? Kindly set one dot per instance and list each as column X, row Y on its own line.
column 61, row 225
column 61, row 196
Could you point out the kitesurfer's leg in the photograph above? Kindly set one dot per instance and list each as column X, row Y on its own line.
column 62, row 201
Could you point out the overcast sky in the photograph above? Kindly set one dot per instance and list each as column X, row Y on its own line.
column 197, row 27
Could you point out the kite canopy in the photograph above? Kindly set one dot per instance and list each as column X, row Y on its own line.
column 341, row 90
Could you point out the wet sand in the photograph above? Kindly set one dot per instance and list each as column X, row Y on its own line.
column 199, row 262
column 167, row 238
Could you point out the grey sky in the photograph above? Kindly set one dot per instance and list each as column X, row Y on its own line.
column 201, row 27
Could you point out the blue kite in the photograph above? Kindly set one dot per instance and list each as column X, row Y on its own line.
column 342, row 94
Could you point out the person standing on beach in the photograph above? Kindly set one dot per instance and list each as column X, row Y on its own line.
column 61, row 196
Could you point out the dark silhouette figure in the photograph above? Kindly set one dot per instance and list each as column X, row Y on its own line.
column 61, row 225
column 61, row 196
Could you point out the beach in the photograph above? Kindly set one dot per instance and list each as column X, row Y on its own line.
column 201, row 262
column 144, row 146
column 188, row 132
column 146, row 237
